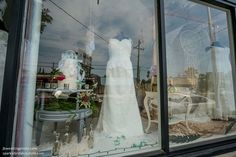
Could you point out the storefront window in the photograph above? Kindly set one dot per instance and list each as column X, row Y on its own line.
column 96, row 88
column 200, row 58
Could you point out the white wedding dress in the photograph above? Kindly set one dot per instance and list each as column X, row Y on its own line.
column 225, row 101
column 120, row 114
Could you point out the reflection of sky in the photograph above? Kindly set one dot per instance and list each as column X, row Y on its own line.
column 188, row 35
column 134, row 18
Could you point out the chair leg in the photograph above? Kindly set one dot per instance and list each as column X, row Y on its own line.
column 189, row 107
column 148, row 127
column 55, row 126
column 39, row 127
column 149, row 117
column 80, row 128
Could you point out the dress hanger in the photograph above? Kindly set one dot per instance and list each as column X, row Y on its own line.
column 214, row 44
column 120, row 36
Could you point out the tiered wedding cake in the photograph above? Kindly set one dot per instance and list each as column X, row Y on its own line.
column 70, row 66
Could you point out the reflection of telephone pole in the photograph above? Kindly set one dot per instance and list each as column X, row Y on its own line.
column 213, row 58
column 138, row 47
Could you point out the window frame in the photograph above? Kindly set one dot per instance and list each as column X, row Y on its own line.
column 220, row 145
column 9, row 91
column 14, row 50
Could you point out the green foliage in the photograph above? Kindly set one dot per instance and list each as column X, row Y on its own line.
column 94, row 108
column 139, row 145
column 46, row 18
column 55, row 72
column 60, row 105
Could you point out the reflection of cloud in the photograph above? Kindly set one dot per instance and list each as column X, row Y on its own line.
column 110, row 17
column 186, row 48
column 192, row 17
column 131, row 17
column 180, row 4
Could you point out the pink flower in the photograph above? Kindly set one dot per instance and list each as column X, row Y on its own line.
column 60, row 77
column 85, row 98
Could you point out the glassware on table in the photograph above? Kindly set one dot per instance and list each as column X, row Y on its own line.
column 66, row 86
column 86, row 86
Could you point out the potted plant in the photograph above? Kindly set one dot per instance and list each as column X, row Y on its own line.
column 56, row 75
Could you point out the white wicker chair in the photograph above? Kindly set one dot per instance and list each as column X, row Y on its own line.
column 177, row 101
column 150, row 103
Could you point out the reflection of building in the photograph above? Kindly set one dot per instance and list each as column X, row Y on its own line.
column 188, row 79
column 87, row 66
column 206, row 83
column 183, row 81
column 202, row 83
column 86, row 61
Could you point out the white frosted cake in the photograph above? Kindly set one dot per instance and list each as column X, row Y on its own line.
column 68, row 65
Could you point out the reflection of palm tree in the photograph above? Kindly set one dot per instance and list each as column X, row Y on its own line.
column 46, row 18
column 148, row 74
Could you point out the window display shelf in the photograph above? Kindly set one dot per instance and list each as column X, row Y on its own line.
column 63, row 90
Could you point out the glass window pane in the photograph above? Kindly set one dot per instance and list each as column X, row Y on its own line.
column 96, row 83
column 201, row 99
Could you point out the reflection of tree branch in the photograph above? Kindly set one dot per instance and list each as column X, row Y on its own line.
column 46, row 18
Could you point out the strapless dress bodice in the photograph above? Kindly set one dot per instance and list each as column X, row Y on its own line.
column 119, row 50
column 119, row 54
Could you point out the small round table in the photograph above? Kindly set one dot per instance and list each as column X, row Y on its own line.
column 61, row 116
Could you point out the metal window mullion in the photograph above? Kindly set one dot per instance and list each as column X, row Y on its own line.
column 27, row 78
column 163, row 77
column 232, row 38
column 11, row 73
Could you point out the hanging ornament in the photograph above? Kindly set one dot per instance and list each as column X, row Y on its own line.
column 90, row 45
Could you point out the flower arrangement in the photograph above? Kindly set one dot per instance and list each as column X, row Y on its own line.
column 88, row 100
column 56, row 74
